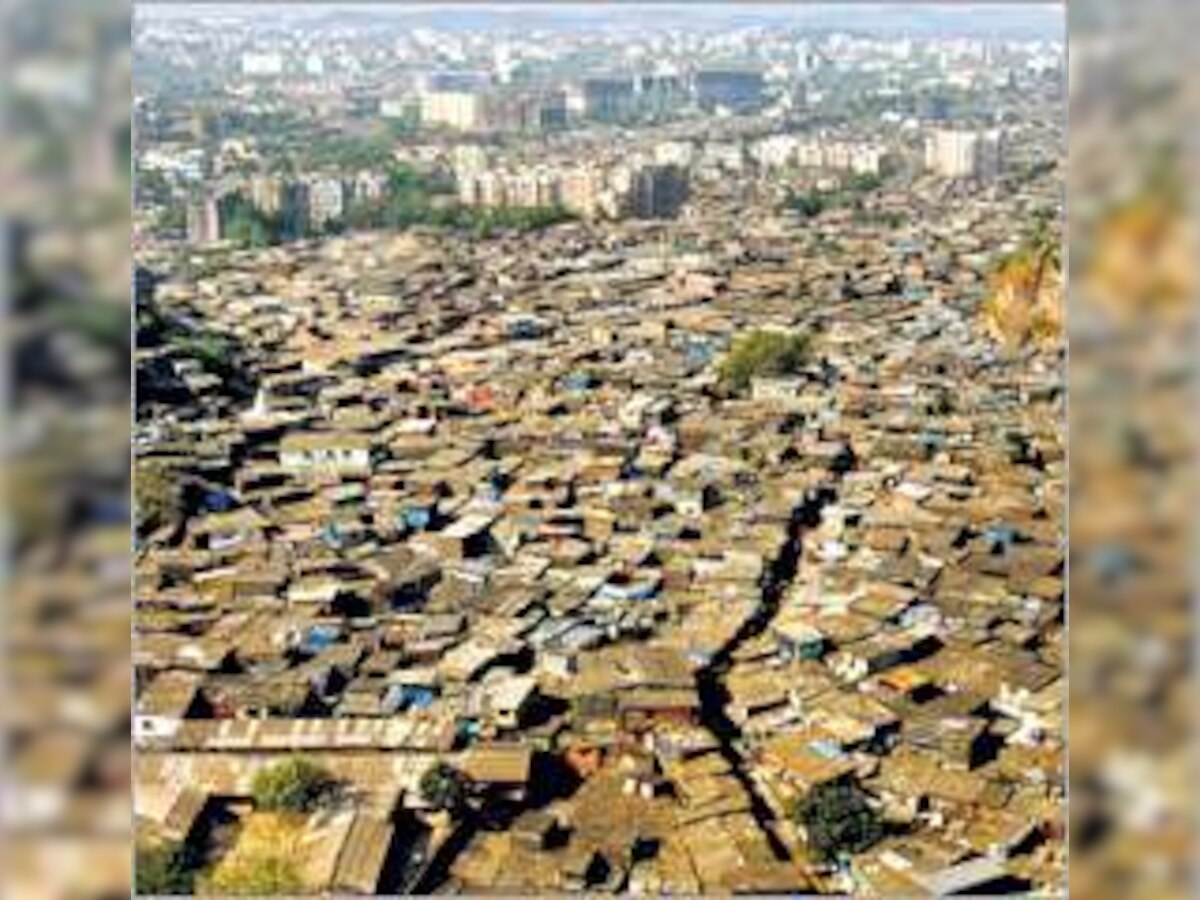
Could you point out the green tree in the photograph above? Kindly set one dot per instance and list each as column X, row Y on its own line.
column 257, row 876
column 162, row 869
column 763, row 353
column 245, row 224
column 809, row 205
column 837, row 820
column 294, row 785
column 153, row 187
column 157, row 497
column 444, row 787
column 864, row 182
column 405, row 126
column 346, row 152
column 172, row 217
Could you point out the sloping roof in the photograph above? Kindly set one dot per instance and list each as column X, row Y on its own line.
column 656, row 698
column 235, row 520
column 964, row 876
column 498, row 763
column 184, row 812
column 363, row 855
column 303, row 441
column 169, row 694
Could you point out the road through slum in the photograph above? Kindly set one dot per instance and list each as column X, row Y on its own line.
column 711, row 679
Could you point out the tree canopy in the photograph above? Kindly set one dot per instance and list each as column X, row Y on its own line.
column 158, row 497
column 294, row 785
column 1025, row 303
column 849, row 192
column 763, row 353
column 162, row 869
column 257, row 876
column 409, row 198
column 444, row 787
column 837, row 820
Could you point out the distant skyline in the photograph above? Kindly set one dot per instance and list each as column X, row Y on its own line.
column 990, row 18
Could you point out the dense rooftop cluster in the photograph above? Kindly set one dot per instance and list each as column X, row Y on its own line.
column 492, row 507
column 608, row 457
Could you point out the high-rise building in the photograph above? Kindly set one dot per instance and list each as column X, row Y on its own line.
column 962, row 153
column 604, row 98
column 503, row 110
column 368, row 185
column 735, row 89
column 490, row 189
column 991, row 154
column 657, row 192
column 294, row 209
column 459, row 110
column 661, row 94
column 524, row 111
column 266, row 193
column 204, row 219
column 580, row 191
column 326, row 200
column 468, row 187
column 551, row 110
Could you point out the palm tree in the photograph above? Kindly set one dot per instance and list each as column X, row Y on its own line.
column 1020, row 307
column 1043, row 245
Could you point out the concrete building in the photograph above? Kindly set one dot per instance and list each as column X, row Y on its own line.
column 262, row 64
column 266, row 193
column 468, row 159
column 580, row 190
column 737, row 90
column 661, row 94
column 368, row 185
column 508, row 111
column 491, row 189
column 862, row 158
column 295, row 209
column 525, row 112
column 204, row 220
column 658, row 192
column 458, row 110
column 308, row 452
column 960, row 153
column 603, row 98
column 326, row 200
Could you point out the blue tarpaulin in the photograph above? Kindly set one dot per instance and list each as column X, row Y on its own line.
column 577, row 381
column 1000, row 536
column 319, row 637
column 218, row 501
column 417, row 517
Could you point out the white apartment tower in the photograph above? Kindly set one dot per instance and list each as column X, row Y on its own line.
column 326, row 200
column 458, row 110
column 961, row 153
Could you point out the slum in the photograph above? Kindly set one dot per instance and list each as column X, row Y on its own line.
column 490, row 504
